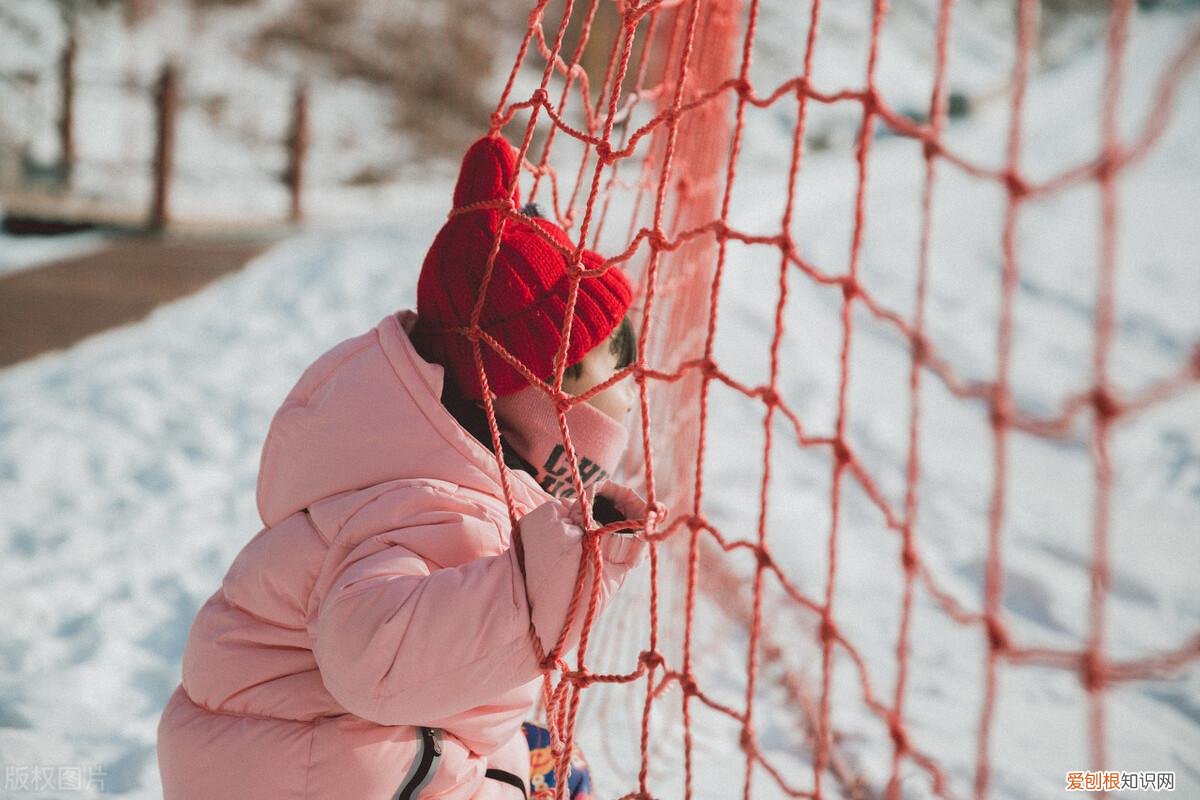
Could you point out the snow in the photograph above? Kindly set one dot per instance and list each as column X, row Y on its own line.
column 23, row 252
column 127, row 463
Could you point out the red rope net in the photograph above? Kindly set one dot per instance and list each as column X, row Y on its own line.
column 676, row 172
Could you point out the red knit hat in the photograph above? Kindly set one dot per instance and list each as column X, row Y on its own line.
column 526, row 302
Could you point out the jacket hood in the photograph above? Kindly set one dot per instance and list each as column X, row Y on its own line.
column 368, row 411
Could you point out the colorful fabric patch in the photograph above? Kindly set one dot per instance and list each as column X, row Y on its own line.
column 541, row 767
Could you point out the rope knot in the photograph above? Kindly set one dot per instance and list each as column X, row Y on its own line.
column 785, row 244
column 997, row 635
column 651, row 658
column 841, row 451
column 828, row 630
column 1107, row 406
column 1001, row 408
column 908, row 556
column 850, row 288
column 720, row 230
column 1017, row 186
column 1093, row 672
column 1109, row 163
column 472, row 334
column 898, row 734
column 764, row 558
column 870, row 100
column 562, row 402
column 920, row 347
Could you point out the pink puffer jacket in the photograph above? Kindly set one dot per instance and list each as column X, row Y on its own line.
column 377, row 633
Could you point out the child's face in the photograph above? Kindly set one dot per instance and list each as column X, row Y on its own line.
column 600, row 364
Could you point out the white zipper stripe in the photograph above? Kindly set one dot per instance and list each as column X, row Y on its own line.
column 414, row 782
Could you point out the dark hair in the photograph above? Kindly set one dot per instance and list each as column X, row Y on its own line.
column 622, row 343
column 472, row 416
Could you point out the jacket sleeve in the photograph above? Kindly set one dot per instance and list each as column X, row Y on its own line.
column 401, row 644
column 552, row 541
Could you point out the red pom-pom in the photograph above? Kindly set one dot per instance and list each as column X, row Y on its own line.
column 487, row 170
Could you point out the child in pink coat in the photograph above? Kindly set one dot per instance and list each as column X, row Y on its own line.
column 377, row 637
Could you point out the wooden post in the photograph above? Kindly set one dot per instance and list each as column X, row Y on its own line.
column 167, row 104
column 136, row 11
column 298, row 140
column 66, row 120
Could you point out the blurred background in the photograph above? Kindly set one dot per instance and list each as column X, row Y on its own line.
column 342, row 102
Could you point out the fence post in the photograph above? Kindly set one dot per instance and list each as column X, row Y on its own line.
column 167, row 105
column 298, row 140
column 66, row 120
column 138, row 10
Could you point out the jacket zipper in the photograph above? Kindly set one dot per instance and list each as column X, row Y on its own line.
column 423, row 766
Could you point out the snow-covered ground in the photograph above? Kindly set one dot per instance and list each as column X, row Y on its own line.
column 127, row 463
column 24, row 252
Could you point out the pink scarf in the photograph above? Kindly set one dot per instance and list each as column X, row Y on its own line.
column 530, row 426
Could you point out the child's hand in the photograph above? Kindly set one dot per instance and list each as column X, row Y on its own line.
column 551, row 542
column 612, row 502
